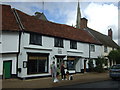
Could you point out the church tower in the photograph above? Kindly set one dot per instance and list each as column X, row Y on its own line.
column 78, row 17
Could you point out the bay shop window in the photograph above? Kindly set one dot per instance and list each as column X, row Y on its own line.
column 37, row 63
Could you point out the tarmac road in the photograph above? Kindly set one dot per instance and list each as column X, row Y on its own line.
column 48, row 83
column 99, row 84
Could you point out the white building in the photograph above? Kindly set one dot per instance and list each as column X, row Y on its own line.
column 30, row 45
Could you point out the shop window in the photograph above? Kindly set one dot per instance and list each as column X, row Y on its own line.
column 35, row 39
column 73, row 44
column 71, row 63
column 58, row 42
column 37, row 63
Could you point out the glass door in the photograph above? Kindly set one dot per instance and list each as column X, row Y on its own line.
column 59, row 62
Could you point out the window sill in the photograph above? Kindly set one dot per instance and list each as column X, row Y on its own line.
column 74, row 51
column 59, row 46
column 37, row 47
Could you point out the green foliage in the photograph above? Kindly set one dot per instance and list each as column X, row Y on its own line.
column 114, row 55
column 99, row 64
column 91, row 66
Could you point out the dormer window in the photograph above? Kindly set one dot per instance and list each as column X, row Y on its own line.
column 35, row 39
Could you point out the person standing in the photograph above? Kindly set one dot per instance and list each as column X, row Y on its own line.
column 63, row 76
column 54, row 72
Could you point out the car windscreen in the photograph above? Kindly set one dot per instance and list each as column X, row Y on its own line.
column 115, row 67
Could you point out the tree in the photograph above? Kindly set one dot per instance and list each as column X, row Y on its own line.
column 114, row 56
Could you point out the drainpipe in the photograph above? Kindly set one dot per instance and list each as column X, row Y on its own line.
column 20, row 34
column 89, row 51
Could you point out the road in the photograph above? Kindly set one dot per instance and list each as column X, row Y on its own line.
column 99, row 84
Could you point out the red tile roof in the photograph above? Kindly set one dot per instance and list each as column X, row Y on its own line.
column 31, row 24
column 8, row 19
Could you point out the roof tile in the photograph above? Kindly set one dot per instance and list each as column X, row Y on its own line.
column 32, row 24
column 8, row 19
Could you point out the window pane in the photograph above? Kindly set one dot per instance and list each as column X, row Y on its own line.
column 105, row 48
column 35, row 39
column 70, row 65
column 92, row 48
column 32, row 64
column 37, row 63
column 73, row 45
column 41, row 65
column 58, row 42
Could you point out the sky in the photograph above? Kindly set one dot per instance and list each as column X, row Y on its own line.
column 101, row 15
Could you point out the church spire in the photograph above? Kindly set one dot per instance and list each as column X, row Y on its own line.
column 78, row 16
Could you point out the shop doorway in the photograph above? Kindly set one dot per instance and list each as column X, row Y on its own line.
column 7, row 68
column 59, row 63
column 85, row 66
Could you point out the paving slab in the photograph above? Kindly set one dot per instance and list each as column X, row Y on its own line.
column 47, row 82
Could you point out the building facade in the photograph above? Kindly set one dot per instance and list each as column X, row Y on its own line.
column 28, row 49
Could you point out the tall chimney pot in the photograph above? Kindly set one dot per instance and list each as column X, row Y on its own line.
column 110, row 33
column 83, row 23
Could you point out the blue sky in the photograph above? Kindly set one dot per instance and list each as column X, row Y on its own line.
column 101, row 15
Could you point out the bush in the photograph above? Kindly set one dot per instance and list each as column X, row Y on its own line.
column 91, row 66
column 99, row 69
column 99, row 64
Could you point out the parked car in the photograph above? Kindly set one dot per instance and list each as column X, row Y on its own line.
column 114, row 72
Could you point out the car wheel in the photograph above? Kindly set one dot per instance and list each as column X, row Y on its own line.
column 113, row 78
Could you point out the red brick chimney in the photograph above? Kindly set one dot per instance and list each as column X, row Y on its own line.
column 110, row 33
column 83, row 23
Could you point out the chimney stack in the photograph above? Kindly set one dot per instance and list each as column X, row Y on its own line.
column 83, row 23
column 110, row 33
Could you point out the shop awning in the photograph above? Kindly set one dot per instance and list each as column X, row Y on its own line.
column 60, row 55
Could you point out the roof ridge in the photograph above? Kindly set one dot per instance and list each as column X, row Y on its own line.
column 97, row 31
column 94, row 36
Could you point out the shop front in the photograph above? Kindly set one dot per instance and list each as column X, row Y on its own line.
column 38, row 63
column 71, row 61
column 60, row 60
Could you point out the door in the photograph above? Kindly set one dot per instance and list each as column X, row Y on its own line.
column 85, row 65
column 59, row 62
column 7, row 65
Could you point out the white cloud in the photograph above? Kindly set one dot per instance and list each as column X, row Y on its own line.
column 60, row 0
column 103, row 16
column 100, row 17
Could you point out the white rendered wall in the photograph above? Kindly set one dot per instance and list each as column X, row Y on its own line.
column 97, row 52
column 85, row 49
column 48, row 47
column 1, row 65
column 1, row 62
column 10, row 41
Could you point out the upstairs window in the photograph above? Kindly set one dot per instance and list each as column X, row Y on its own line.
column 73, row 44
column 105, row 49
column 58, row 42
column 35, row 39
column 92, row 48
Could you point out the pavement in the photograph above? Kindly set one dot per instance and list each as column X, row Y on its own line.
column 46, row 82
